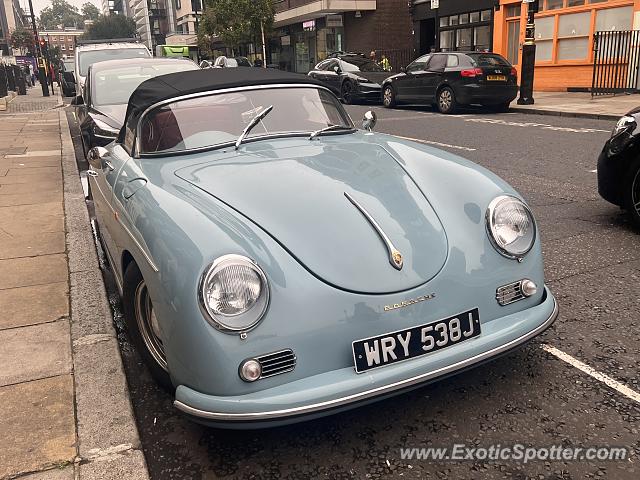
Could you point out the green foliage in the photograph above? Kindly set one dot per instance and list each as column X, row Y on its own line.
column 59, row 13
column 236, row 21
column 111, row 26
column 90, row 11
column 22, row 38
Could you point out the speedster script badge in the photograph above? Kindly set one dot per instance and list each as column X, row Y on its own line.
column 411, row 301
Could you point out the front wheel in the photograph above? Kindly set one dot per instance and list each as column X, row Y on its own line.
column 446, row 100
column 631, row 194
column 388, row 97
column 347, row 93
column 143, row 326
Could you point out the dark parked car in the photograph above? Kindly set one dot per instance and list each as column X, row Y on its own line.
column 351, row 76
column 230, row 62
column 108, row 87
column 447, row 80
column 67, row 78
column 619, row 166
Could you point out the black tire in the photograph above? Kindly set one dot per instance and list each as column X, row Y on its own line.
column 346, row 92
column 389, row 97
column 631, row 193
column 446, row 100
column 138, row 314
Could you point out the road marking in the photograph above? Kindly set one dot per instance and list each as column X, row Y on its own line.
column 607, row 380
column 384, row 119
column 544, row 126
column 438, row 144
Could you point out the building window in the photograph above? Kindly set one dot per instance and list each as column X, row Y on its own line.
column 573, row 36
column 464, row 37
column 482, row 37
column 63, row 47
column 553, row 4
column 446, row 40
column 614, row 19
column 544, row 38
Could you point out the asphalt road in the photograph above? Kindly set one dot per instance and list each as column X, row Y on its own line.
column 592, row 264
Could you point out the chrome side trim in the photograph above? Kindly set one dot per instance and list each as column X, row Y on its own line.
column 395, row 257
column 146, row 256
column 287, row 412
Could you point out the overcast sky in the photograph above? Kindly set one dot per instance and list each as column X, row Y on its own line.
column 40, row 4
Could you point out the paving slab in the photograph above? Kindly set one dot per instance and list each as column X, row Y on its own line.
column 44, row 243
column 30, row 198
column 49, row 180
column 129, row 465
column 33, row 171
column 60, row 473
column 26, row 188
column 33, row 305
column 38, row 425
column 31, row 219
column 34, row 352
column 22, row 272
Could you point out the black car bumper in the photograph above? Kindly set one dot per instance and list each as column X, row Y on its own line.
column 612, row 168
column 486, row 94
column 368, row 91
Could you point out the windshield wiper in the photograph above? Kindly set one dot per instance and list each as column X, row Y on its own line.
column 328, row 129
column 254, row 121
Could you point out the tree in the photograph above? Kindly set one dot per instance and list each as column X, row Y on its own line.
column 59, row 13
column 111, row 26
column 90, row 12
column 236, row 21
column 22, row 39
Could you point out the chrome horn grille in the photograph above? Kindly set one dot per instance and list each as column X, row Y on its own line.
column 277, row 362
column 509, row 293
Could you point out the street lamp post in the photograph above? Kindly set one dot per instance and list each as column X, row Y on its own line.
column 528, row 55
column 42, row 75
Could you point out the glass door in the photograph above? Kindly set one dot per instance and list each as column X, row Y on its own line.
column 513, row 41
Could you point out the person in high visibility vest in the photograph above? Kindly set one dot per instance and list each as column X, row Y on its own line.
column 385, row 64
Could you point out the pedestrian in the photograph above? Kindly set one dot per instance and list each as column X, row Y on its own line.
column 27, row 76
column 372, row 55
column 32, row 74
column 385, row 64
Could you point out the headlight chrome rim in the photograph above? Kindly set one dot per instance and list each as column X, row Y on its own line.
column 254, row 314
column 489, row 223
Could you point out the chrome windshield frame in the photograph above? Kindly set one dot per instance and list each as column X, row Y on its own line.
column 138, row 129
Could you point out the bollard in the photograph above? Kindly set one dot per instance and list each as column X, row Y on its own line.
column 4, row 90
column 21, row 82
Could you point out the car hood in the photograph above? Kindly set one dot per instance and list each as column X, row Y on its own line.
column 114, row 113
column 297, row 195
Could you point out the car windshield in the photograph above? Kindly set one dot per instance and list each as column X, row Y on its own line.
column 488, row 60
column 114, row 86
column 219, row 119
column 359, row 64
column 88, row 58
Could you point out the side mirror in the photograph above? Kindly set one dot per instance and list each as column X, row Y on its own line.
column 95, row 156
column 337, row 69
column 369, row 120
column 77, row 101
column 403, row 69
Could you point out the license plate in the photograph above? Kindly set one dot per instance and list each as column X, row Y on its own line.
column 414, row 342
column 496, row 78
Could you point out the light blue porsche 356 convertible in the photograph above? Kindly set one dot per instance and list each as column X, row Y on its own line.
column 277, row 264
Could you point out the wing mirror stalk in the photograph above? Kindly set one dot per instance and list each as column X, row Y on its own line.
column 369, row 120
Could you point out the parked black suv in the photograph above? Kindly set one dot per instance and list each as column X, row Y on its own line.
column 447, row 80
column 351, row 76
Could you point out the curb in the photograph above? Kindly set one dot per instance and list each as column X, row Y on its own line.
column 558, row 113
column 107, row 435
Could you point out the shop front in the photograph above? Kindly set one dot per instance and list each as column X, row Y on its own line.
column 301, row 46
column 564, row 37
column 452, row 25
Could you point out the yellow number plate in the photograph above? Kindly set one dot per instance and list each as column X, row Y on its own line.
column 496, row 78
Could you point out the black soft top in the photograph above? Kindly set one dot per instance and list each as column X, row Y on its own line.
column 165, row 87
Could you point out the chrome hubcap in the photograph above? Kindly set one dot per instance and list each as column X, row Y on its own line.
column 387, row 96
column 445, row 99
column 148, row 325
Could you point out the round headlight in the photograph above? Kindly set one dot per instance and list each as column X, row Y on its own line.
column 511, row 227
column 234, row 293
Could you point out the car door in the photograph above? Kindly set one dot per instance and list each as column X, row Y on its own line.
column 325, row 73
column 432, row 77
column 406, row 84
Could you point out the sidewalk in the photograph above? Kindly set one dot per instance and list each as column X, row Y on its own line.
column 65, row 411
column 606, row 107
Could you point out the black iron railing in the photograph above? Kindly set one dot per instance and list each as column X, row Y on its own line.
column 616, row 59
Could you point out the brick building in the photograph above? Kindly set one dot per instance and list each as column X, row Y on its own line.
column 63, row 39
column 306, row 31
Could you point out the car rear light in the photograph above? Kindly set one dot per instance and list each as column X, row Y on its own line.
column 471, row 72
column 514, row 72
